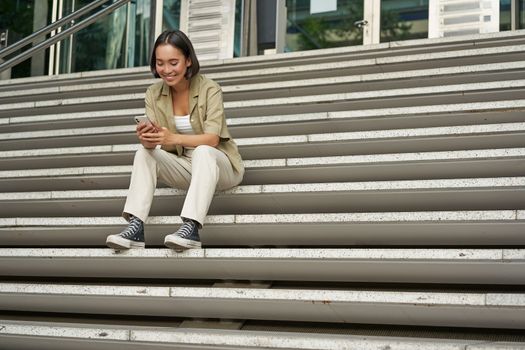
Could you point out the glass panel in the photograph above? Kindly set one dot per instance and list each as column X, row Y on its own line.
column 21, row 18
column 140, row 28
column 238, row 26
column 521, row 19
column 118, row 40
column 315, row 24
column 402, row 20
column 171, row 15
column 504, row 15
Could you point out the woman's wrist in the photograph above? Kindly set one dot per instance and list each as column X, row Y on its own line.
column 174, row 139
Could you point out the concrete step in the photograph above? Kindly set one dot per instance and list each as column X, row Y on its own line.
column 390, row 229
column 447, row 266
column 355, row 53
column 352, row 120
column 369, row 82
column 508, row 40
column 444, row 94
column 126, row 134
column 81, row 89
column 97, row 76
column 373, row 51
column 405, row 195
column 433, row 139
column 396, row 166
column 60, row 336
column 428, row 308
column 395, row 198
column 292, row 87
column 374, row 65
column 70, row 120
column 453, row 93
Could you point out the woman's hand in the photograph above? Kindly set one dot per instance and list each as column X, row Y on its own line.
column 152, row 135
column 146, row 128
column 158, row 136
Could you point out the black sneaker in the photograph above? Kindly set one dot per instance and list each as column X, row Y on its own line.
column 131, row 237
column 187, row 236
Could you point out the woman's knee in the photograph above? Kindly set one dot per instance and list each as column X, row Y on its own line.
column 204, row 151
column 155, row 153
column 142, row 153
column 148, row 155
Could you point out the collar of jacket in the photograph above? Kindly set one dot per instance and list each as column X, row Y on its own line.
column 194, row 95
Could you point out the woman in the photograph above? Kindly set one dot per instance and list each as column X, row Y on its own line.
column 196, row 150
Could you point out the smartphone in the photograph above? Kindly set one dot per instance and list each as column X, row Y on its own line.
column 142, row 119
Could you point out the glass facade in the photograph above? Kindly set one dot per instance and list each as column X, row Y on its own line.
column 238, row 28
column 118, row 40
column 124, row 34
column 171, row 14
column 19, row 19
column 505, row 20
column 521, row 14
column 312, row 25
column 403, row 20
column 315, row 24
column 124, row 38
column 504, row 15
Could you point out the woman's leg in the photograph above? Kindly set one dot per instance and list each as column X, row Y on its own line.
column 148, row 166
column 211, row 170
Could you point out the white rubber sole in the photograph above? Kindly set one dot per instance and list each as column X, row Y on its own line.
column 180, row 244
column 117, row 242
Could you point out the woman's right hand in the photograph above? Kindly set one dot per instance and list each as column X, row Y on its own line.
column 145, row 128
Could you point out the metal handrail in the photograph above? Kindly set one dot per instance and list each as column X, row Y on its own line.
column 46, row 30
column 54, row 39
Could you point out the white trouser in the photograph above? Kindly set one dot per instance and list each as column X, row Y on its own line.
column 201, row 171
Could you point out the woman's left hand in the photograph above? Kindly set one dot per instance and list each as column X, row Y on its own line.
column 162, row 137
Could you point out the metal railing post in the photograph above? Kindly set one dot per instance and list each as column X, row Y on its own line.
column 3, row 38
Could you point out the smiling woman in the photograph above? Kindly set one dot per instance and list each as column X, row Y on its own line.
column 187, row 145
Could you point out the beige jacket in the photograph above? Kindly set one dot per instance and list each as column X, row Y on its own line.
column 206, row 114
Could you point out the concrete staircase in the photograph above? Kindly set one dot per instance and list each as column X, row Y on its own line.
column 383, row 207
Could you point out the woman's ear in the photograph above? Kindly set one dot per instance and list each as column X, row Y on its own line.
column 188, row 69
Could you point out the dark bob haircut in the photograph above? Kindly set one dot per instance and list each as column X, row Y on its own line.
column 179, row 40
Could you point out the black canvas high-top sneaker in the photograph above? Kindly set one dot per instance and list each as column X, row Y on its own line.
column 131, row 237
column 186, row 237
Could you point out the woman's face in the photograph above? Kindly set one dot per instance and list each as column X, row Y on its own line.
column 171, row 64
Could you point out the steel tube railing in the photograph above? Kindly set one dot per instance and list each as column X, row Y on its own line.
column 54, row 39
column 46, row 30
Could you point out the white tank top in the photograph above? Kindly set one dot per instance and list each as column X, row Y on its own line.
column 183, row 125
